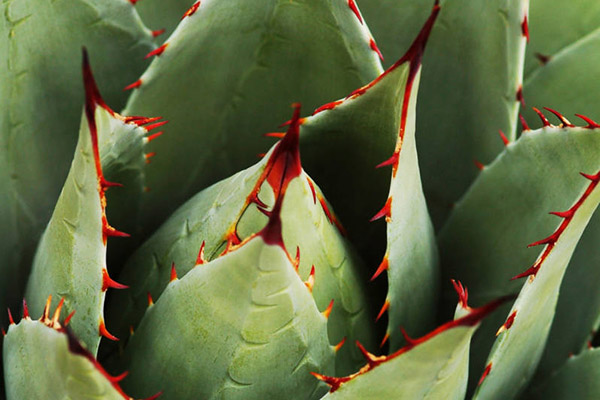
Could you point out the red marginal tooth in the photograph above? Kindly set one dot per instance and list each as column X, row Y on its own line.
column 256, row 200
column 339, row 345
column 519, row 96
column 390, row 161
column 509, row 322
column 11, row 321
column 261, row 155
column 310, row 282
column 328, row 106
column 591, row 123
column 150, row 301
column 277, row 135
column 385, row 339
column 542, row 117
column 200, row 259
column 46, row 313
column 374, row 47
column 385, row 307
column 139, row 121
column 3, row 332
column 104, row 332
column 409, row 341
column 525, row 28
column 479, row 165
column 486, row 372
column 148, row 156
column 333, row 382
column 59, row 307
column 133, row 85
column 158, row 32
column 563, row 214
column 133, row 2
column 327, row 311
column 383, row 266
column 68, row 319
column 150, row 138
column 531, row 271
column 297, row 259
column 156, row 125
column 561, row 117
column 524, row 123
column 463, row 293
column 119, row 378
column 191, row 10
column 104, row 184
column 25, row 309
column 370, row 358
column 173, row 273
column 504, row 138
column 549, row 240
column 386, row 211
column 264, row 211
column 312, row 189
column 108, row 282
column 354, row 9
column 110, row 231
column 593, row 178
column 544, row 59
column 158, row 51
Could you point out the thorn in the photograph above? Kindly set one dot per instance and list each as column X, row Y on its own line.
column 261, row 155
column 57, row 311
column 191, row 10
column 310, row 282
column 256, row 200
column 565, row 122
column 139, row 121
column 386, row 211
column 385, row 307
column 327, row 312
column 504, row 138
column 479, row 165
column 277, row 135
column 110, row 231
column 312, row 189
column 150, row 138
column 158, row 51
column 133, row 2
column 354, row 9
column 564, row 214
column 374, row 47
column 119, row 378
column 297, row 259
column 525, row 28
column 108, row 282
column 3, row 332
column 531, row 271
column 25, row 310
column 200, row 259
column 509, row 322
column 593, row 178
column 519, row 96
column 173, row 273
column 328, row 106
column 542, row 117
column 548, row 240
column 409, row 341
column 524, row 123
column 385, row 264
column 385, row 339
column 486, row 372
column 544, row 59
column 104, row 332
column 591, row 123
column 158, row 32
column 156, row 125
column 339, row 345
column 68, row 319
column 148, row 156
column 390, row 161
column 463, row 293
column 150, row 301
column 11, row 321
column 131, row 330
column 46, row 312
column 264, row 211
column 371, row 359
column 133, row 85
column 104, row 184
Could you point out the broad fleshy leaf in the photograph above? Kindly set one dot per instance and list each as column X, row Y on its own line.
column 40, row 106
column 240, row 65
column 229, row 212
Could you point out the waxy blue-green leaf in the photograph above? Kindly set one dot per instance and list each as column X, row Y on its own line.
column 472, row 71
column 243, row 326
column 434, row 366
column 239, row 65
column 44, row 360
column 40, row 105
column 577, row 379
column 70, row 260
column 227, row 212
column 485, row 240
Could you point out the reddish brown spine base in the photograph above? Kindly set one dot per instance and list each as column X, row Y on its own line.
column 504, row 138
column 525, row 28
column 158, row 32
column 591, row 123
column 191, row 10
column 565, row 122
column 312, row 189
column 486, row 372
column 200, row 259
column 508, row 324
column 374, row 47
column 479, row 165
column 354, row 9
column 473, row 318
column 544, row 59
column 567, row 216
column 384, row 308
column 519, row 95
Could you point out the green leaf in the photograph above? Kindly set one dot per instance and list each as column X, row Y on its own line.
column 460, row 107
column 40, row 106
column 44, row 360
column 577, row 379
column 276, row 52
column 484, row 242
column 70, row 261
column 434, row 366
column 244, row 325
column 227, row 213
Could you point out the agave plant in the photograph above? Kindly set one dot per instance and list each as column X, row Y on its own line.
column 245, row 277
